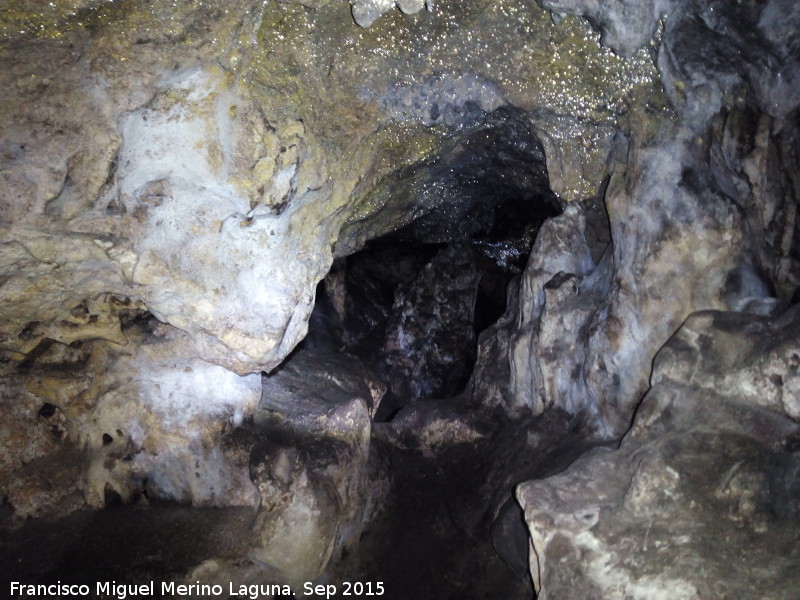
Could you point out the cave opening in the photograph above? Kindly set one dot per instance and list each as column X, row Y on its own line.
column 627, row 411
column 415, row 282
column 398, row 318
column 432, row 271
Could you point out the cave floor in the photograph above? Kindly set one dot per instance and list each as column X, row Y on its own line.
column 431, row 539
column 127, row 544
column 434, row 538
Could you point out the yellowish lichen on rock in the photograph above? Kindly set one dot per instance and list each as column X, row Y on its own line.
column 320, row 109
column 39, row 19
column 337, row 76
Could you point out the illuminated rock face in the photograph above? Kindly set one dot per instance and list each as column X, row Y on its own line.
column 199, row 196
column 215, row 197
column 198, row 164
column 187, row 177
column 711, row 458
column 692, row 223
column 366, row 12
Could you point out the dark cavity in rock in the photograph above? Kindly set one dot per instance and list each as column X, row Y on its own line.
column 47, row 410
column 419, row 278
column 415, row 280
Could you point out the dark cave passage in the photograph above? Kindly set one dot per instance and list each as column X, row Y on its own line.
column 411, row 302
column 451, row 528
column 291, row 300
column 407, row 307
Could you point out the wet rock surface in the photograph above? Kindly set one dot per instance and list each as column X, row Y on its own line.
column 256, row 158
column 428, row 349
column 310, row 459
column 489, row 184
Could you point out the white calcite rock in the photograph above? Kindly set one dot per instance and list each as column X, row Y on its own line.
column 214, row 260
column 411, row 7
column 309, row 462
column 366, row 12
column 157, row 426
column 193, row 221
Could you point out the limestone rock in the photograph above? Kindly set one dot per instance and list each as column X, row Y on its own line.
column 750, row 357
column 138, row 419
column 197, row 162
column 697, row 57
column 428, row 349
column 489, row 178
column 176, row 178
column 627, row 25
column 298, row 522
column 309, row 461
column 157, row 425
column 560, row 256
column 43, row 472
column 411, row 7
column 693, row 189
column 431, row 427
column 708, row 51
column 88, row 196
column 366, row 12
column 443, row 99
column 705, row 481
column 96, row 175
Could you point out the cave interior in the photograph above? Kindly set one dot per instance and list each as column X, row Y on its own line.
column 445, row 300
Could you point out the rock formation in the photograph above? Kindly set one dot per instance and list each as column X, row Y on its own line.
column 707, row 465
column 334, row 273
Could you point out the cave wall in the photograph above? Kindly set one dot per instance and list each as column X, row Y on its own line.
column 701, row 217
column 694, row 224
column 198, row 163
column 177, row 179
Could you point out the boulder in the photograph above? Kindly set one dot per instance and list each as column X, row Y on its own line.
column 701, row 498
column 309, row 461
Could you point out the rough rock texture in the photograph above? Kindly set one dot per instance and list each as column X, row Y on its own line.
column 750, row 358
column 702, row 499
column 710, row 51
column 428, row 351
column 309, row 462
column 114, row 424
column 487, row 184
column 152, row 397
column 96, row 177
column 176, row 178
column 627, row 25
column 250, row 163
column 366, row 12
column 691, row 206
